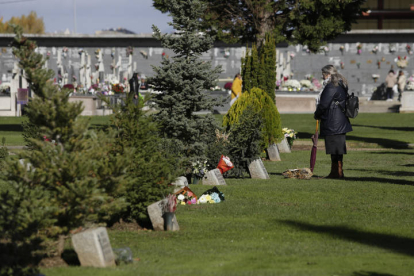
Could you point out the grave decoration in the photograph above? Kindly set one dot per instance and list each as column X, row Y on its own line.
column 304, row 173
column 186, row 197
column 169, row 212
column 290, row 135
column 225, row 164
column 212, row 195
column 156, row 214
column 359, row 48
column 408, row 48
column 199, row 169
column 402, row 62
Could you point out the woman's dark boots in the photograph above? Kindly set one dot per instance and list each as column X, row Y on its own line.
column 336, row 167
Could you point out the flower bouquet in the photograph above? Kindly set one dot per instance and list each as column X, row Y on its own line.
column 392, row 48
column 118, row 88
column 410, row 83
column 290, row 135
column 129, row 51
column 224, row 164
column 211, row 196
column 199, row 169
column 375, row 77
column 402, row 62
column 186, row 197
column 408, row 48
column 375, row 49
column 359, row 48
column 342, row 48
column 306, row 84
column 292, row 85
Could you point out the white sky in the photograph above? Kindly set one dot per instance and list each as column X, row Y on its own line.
column 92, row 15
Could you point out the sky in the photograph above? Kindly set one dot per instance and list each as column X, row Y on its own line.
column 91, row 15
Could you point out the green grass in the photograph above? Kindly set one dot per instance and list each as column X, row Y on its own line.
column 360, row 226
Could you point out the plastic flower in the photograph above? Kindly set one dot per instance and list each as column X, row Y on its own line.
column 208, row 197
column 203, row 199
column 180, row 197
column 182, row 203
column 211, row 201
column 193, row 200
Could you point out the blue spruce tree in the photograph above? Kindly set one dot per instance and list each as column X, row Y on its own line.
column 182, row 80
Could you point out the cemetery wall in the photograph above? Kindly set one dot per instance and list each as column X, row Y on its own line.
column 70, row 55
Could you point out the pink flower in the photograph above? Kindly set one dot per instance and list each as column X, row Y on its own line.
column 190, row 194
column 193, row 200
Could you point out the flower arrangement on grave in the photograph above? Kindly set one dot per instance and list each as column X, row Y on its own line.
column 144, row 54
column 65, row 52
column 225, row 164
column 408, row 48
column 211, row 196
column 375, row 49
column 410, row 83
column 74, row 78
column 96, row 66
column 402, row 62
column 290, row 135
column 358, row 64
column 171, row 204
column 186, row 197
column 216, row 88
column 113, row 52
column 118, row 88
column 342, row 65
column 278, row 83
column 226, row 52
column 379, row 64
column 306, row 84
column 292, row 55
column 129, row 51
column 306, row 49
column 392, row 48
column 48, row 53
column 325, row 49
column 81, row 51
column 316, row 83
column 359, row 48
column 95, row 88
column 199, row 169
column 342, row 48
column 292, row 85
column 375, row 77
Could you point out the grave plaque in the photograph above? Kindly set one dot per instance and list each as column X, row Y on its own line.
column 273, row 153
column 93, row 248
column 156, row 214
column 284, row 146
column 214, row 177
column 181, row 182
column 258, row 170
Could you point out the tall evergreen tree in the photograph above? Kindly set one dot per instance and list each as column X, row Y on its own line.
column 183, row 78
column 306, row 22
column 267, row 76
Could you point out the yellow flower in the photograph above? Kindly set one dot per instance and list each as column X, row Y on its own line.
column 211, row 201
column 182, row 203
column 208, row 197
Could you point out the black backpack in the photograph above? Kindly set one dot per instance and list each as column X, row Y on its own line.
column 351, row 106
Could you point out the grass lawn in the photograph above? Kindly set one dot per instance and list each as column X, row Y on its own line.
column 360, row 226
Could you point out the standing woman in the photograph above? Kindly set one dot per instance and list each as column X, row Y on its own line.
column 236, row 88
column 334, row 123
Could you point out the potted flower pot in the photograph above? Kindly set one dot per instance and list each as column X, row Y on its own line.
column 195, row 179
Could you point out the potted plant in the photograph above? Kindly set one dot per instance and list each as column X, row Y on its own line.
column 169, row 212
column 199, row 170
column 290, row 135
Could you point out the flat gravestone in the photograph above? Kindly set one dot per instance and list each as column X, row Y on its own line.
column 156, row 212
column 258, row 170
column 181, row 182
column 93, row 248
column 284, row 146
column 273, row 153
column 214, row 177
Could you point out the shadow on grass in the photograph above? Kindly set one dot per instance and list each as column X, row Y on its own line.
column 370, row 273
column 392, row 152
column 380, row 180
column 388, row 128
column 12, row 128
column 408, row 165
column 393, row 243
column 385, row 143
column 393, row 173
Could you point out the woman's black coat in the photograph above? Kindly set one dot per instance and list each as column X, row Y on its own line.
column 333, row 120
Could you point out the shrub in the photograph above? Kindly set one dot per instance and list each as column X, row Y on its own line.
column 259, row 101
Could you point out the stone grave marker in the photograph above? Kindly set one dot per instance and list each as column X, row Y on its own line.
column 93, row 248
column 181, row 182
column 214, row 177
column 258, row 170
column 273, row 152
column 156, row 212
column 284, row 146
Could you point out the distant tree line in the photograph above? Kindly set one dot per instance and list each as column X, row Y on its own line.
column 31, row 24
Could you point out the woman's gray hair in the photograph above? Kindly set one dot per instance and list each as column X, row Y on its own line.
column 335, row 76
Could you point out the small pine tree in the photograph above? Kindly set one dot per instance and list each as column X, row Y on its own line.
column 152, row 167
column 73, row 168
column 183, row 78
column 260, row 101
column 268, row 67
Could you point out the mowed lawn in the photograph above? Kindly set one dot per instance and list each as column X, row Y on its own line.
column 360, row 226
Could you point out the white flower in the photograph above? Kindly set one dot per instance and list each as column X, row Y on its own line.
column 203, row 199
column 180, row 197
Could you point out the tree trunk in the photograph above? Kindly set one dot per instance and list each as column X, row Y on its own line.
column 265, row 24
